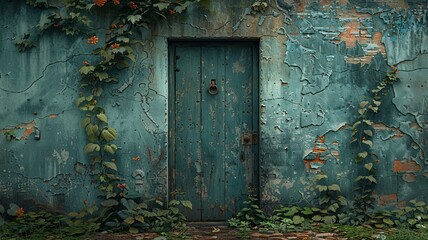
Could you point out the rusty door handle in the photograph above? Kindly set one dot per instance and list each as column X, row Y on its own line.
column 213, row 89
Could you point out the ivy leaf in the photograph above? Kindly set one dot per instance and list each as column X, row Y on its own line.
column 180, row 9
column 79, row 101
column 110, row 165
column 91, row 147
column 174, row 203
column 129, row 220
column 334, row 187
column 44, row 23
column 307, row 211
column 12, row 209
column 122, row 39
column 342, row 200
column 110, row 148
column 377, row 103
column 321, row 188
column 371, row 179
column 92, row 131
column 388, row 221
column 109, row 203
column 97, row 91
column 85, row 122
column 368, row 132
column 186, row 204
column 333, row 207
column 316, row 218
column 362, row 154
column 329, row 219
column 298, row 219
column 135, row 18
column 363, row 104
column 368, row 122
column 161, row 6
column 101, row 75
column 74, row 15
column 102, row 117
column 133, row 230
column 85, row 70
column 368, row 142
column 361, row 111
column 368, row 166
column 109, row 134
column 139, row 218
column 320, row 176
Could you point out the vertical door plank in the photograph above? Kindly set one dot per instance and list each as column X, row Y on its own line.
column 212, row 134
column 188, row 129
column 239, row 121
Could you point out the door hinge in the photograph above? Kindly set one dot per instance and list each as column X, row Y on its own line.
column 176, row 69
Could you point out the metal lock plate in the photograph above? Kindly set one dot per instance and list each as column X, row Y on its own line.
column 249, row 138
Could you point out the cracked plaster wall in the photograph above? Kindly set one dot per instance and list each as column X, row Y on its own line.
column 318, row 60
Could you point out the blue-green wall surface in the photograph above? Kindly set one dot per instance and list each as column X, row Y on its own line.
column 317, row 61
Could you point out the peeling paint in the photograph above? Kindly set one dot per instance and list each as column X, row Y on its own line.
column 409, row 177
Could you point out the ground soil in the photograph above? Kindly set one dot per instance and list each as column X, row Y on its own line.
column 221, row 232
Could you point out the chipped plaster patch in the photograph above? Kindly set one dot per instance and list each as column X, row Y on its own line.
column 409, row 177
column 289, row 183
column 61, row 156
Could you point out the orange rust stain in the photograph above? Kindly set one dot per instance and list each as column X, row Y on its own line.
column 409, row 177
column 406, row 166
column 387, row 200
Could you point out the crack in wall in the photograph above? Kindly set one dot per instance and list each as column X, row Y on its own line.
column 43, row 74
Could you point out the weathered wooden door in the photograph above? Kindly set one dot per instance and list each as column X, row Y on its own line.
column 213, row 121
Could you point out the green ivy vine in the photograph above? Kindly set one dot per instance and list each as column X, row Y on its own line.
column 118, row 210
column 362, row 136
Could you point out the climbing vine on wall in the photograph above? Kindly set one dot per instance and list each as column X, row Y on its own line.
column 362, row 136
column 108, row 58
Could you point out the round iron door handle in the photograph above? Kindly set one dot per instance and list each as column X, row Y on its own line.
column 213, row 89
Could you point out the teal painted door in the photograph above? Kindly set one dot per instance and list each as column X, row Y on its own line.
column 213, row 119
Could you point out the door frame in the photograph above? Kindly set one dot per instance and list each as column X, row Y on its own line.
column 172, row 44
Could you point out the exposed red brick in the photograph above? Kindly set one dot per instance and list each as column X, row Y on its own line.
column 409, row 177
column 406, row 166
column 318, row 148
column 300, row 5
column 387, row 200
